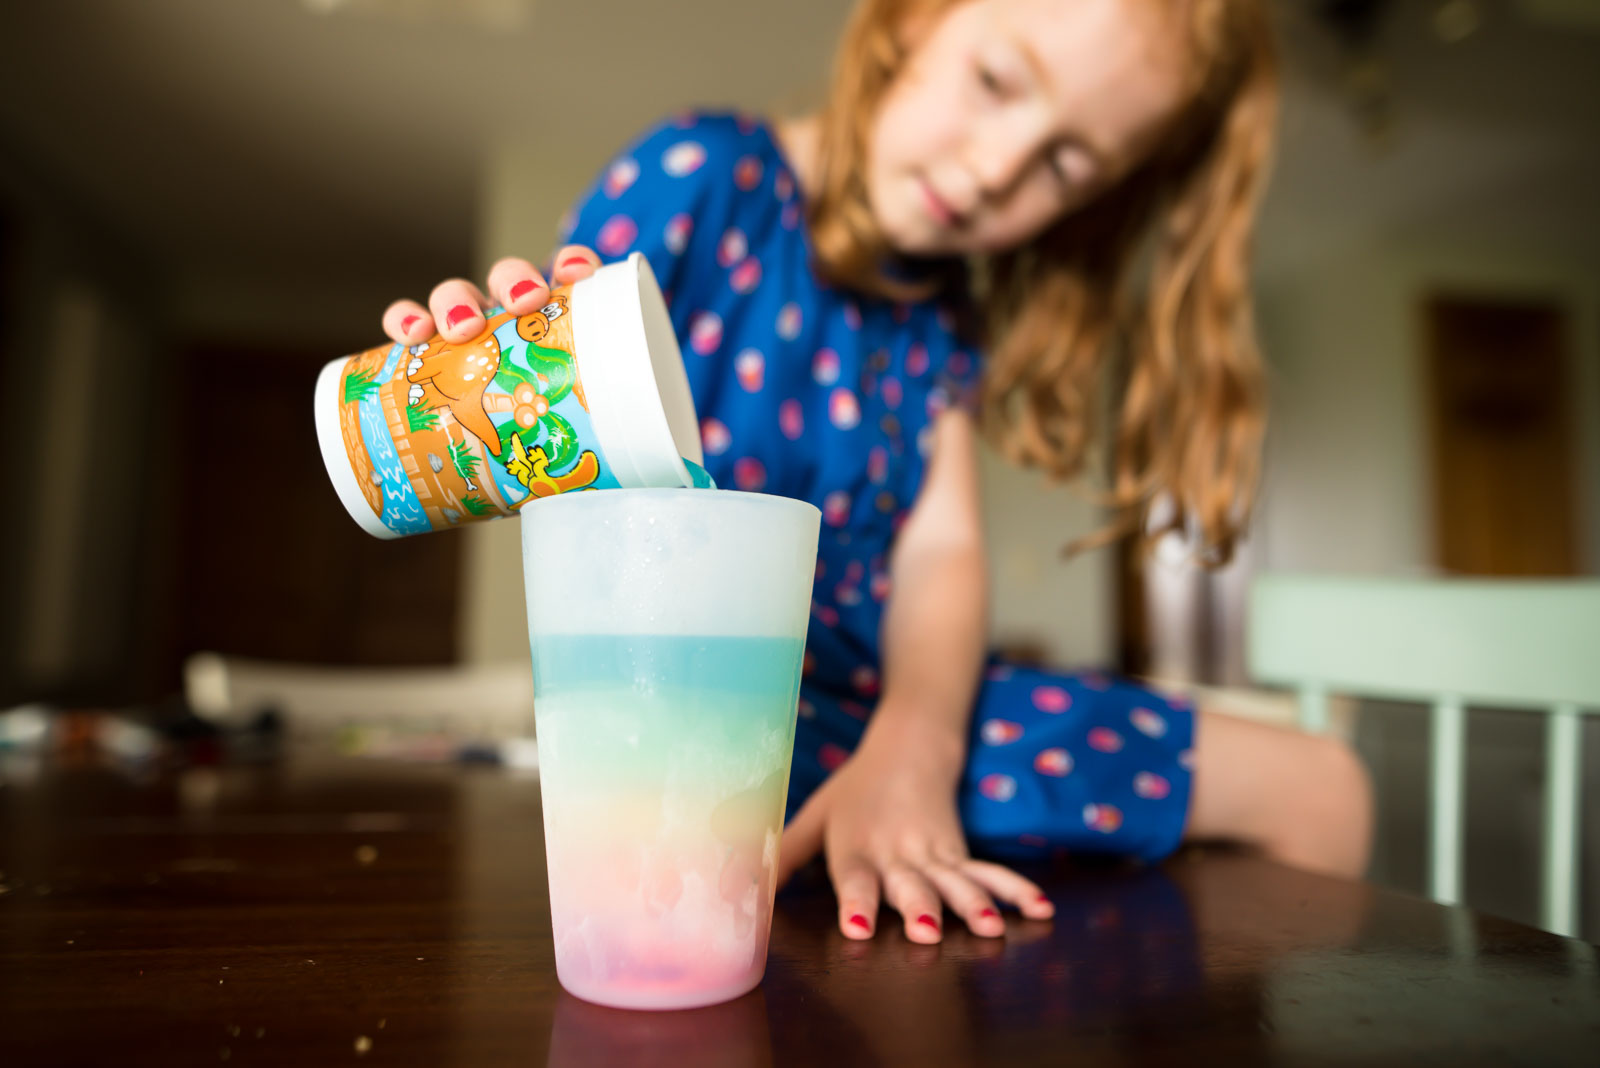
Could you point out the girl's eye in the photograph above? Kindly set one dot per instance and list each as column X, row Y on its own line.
column 988, row 80
column 1059, row 169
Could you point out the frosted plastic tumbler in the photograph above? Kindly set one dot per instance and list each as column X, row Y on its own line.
column 668, row 629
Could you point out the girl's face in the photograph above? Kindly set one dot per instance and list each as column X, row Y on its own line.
column 1008, row 114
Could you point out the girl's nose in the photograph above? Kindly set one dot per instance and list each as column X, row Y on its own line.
column 998, row 164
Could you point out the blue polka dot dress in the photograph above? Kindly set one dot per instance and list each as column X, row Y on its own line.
column 829, row 396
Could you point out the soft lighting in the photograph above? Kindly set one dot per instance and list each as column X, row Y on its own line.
column 1456, row 20
column 485, row 14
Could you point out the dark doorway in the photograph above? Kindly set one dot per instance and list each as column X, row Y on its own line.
column 1503, row 466
column 269, row 564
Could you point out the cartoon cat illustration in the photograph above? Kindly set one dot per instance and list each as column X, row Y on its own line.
column 531, row 468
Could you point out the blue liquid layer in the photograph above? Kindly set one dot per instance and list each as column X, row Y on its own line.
column 650, row 662
column 645, row 713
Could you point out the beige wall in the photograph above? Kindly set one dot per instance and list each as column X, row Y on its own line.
column 1347, row 478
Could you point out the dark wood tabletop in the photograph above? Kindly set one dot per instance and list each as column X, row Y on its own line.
column 345, row 912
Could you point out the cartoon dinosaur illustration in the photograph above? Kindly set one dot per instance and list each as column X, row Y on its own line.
column 535, row 326
column 453, row 377
column 531, row 468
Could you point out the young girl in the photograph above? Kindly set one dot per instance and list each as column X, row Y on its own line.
column 1056, row 181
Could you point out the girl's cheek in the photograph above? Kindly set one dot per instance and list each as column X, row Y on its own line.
column 1019, row 221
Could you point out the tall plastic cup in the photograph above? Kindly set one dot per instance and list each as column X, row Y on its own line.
column 587, row 392
column 668, row 629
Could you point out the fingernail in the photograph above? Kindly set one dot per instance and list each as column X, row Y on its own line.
column 1043, row 900
column 929, row 920
column 570, row 260
column 460, row 313
column 525, row 286
column 986, row 913
column 405, row 324
column 860, row 921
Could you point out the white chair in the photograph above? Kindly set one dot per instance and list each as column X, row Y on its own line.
column 1520, row 644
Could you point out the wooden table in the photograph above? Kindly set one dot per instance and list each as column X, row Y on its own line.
column 334, row 913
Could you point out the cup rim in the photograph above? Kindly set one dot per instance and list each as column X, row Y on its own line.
column 632, row 369
column 705, row 498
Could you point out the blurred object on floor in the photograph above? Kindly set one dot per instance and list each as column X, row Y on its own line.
column 139, row 742
column 432, row 714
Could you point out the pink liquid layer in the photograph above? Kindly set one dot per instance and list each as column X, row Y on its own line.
column 678, row 920
column 662, row 814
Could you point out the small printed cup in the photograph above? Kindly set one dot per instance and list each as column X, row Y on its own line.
column 588, row 392
column 668, row 633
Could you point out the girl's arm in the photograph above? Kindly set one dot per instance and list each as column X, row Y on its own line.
column 935, row 629
column 887, row 819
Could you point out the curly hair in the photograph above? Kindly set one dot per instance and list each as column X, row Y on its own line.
column 1150, row 280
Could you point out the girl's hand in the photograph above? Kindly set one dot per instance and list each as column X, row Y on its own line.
column 888, row 825
column 455, row 307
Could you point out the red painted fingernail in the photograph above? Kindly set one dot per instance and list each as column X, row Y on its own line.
column 520, row 288
column 986, row 913
column 929, row 920
column 405, row 324
column 460, row 313
column 1042, row 899
column 860, row 921
column 570, row 260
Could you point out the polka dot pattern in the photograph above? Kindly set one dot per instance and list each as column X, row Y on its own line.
column 747, row 173
column 998, row 787
column 676, row 233
column 844, row 411
column 790, row 319
column 825, row 367
column 751, row 368
column 714, row 437
column 616, row 236
column 836, row 508
column 1052, row 699
column 705, row 333
column 791, row 419
column 620, row 176
column 733, row 247
column 683, row 159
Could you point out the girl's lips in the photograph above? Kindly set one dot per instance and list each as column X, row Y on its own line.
column 942, row 213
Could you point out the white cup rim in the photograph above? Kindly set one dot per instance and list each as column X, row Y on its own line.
column 633, row 376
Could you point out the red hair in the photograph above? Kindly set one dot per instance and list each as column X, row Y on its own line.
column 1084, row 294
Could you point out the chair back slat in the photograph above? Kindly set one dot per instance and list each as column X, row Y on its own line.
column 1563, row 751
column 1449, row 748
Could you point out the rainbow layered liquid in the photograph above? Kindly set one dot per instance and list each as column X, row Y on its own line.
column 664, row 763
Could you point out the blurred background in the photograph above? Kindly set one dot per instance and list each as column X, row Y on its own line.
column 201, row 203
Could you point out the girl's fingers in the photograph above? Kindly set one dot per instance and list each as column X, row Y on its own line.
column 407, row 322
column 855, row 883
column 573, row 262
column 968, row 899
column 916, row 900
column 1007, row 885
column 457, row 307
column 517, row 285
